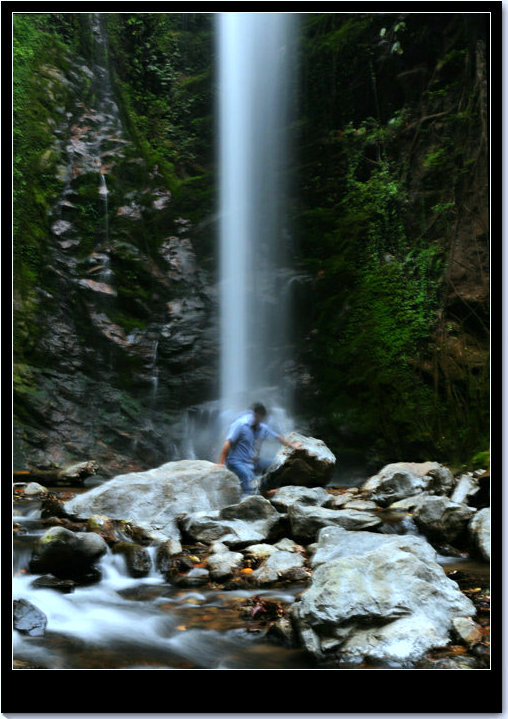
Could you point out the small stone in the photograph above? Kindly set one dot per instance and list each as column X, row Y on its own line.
column 361, row 505
column 33, row 488
column 466, row 630
column 260, row 551
column 28, row 619
column 60, row 585
column 218, row 548
column 288, row 545
column 196, row 577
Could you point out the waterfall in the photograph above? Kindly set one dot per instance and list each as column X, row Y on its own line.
column 155, row 370
column 105, row 273
column 253, row 107
column 103, row 190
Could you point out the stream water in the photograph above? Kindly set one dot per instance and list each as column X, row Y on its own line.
column 127, row 623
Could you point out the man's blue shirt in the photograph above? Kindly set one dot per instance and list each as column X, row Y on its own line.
column 245, row 441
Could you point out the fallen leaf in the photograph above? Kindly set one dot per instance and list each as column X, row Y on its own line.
column 457, row 649
column 181, row 628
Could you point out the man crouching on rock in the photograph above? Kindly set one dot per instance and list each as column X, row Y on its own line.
column 240, row 452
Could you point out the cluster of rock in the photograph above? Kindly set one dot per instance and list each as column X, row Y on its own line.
column 444, row 508
column 368, row 595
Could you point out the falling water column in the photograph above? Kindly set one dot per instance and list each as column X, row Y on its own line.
column 254, row 61
column 234, row 118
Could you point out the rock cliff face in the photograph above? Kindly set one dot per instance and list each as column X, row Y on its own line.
column 123, row 305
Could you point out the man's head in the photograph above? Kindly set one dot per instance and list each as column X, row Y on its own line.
column 260, row 412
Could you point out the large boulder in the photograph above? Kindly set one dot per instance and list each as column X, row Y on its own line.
column 280, row 565
column 248, row 522
column 307, row 520
column 286, row 496
column 479, row 530
column 399, row 480
column 336, row 542
column 376, row 598
column 311, row 465
column 153, row 499
column 66, row 554
column 390, row 487
column 441, row 519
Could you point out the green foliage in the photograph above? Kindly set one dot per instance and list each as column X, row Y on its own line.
column 443, row 207
column 386, row 289
column 40, row 61
column 162, row 66
column 23, row 380
column 435, row 159
column 379, row 257
column 481, row 460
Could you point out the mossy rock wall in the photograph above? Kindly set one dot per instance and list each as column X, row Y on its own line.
column 114, row 328
column 392, row 223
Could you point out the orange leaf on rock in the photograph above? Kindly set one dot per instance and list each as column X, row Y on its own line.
column 457, row 649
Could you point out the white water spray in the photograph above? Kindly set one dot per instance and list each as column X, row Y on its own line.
column 254, row 65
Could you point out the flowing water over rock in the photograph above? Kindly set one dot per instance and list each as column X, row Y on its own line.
column 176, row 628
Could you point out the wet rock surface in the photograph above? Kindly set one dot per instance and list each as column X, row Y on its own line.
column 310, row 465
column 154, row 499
column 375, row 598
column 28, row 619
column 442, row 517
column 249, row 522
column 67, row 554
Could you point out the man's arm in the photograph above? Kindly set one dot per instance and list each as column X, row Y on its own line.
column 287, row 443
column 225, row 451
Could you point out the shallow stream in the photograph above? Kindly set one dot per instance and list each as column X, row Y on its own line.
column 126, row 623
